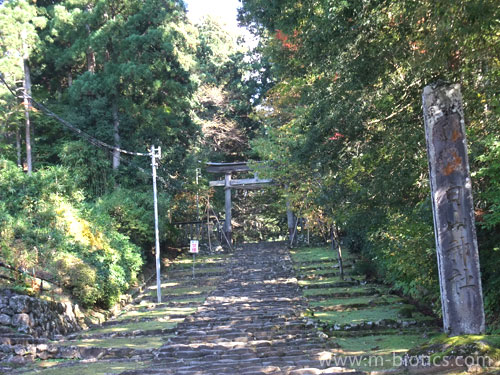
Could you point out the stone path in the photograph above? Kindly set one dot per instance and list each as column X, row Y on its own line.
column 257, row 311
column 252, row 324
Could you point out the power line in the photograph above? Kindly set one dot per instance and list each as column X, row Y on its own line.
column 92, row 140
column 81, row 133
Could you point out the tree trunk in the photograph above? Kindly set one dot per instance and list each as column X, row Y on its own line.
column 26, row 102
column 90, row 60
column 18, row 147
column 90, row 52
column 116, row 135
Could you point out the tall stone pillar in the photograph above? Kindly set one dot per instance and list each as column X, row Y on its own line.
column 227, row 224
column 454, row 227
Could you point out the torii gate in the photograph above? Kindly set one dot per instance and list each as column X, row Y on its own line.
column 228, row 183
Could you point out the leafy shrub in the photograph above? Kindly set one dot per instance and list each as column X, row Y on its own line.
column 405, row 254
column 130, row 213
column 79, row 276
column 89, row 167
column 45, row 224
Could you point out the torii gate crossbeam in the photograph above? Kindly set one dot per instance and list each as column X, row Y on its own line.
column 228, row 183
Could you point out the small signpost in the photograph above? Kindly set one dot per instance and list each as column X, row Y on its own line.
column 194, row 249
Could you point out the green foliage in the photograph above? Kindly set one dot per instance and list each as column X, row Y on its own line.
column 89, row 167
column 45, row 225
column 404, row 254
column 79, row 276
column 130, row 214
column 225, row 93
column 124, row 71
column 343, row 126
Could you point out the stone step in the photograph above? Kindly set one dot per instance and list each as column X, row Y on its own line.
column 183, row 274
column 154, row 306
column 20, row 339
column 305, row 276
column 380, row 324
column 112, row 323
column 136, row 333
column 344, row 263
column 413, row 330
column 347, row 294
column 301, row 267
column 352, row 306
column 252, row 323
column 339, row 284
column 259, row 368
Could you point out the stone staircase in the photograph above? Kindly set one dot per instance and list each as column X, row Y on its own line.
column 368, row 326
column 253, row 312
column 252, row 324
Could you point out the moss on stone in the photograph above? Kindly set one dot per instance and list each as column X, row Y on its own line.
column 486, row 346
column 374, row 290
column 155, row 313
column 366, row 300
column 136, row 326
column 373, row 314
column 85, row 368
column 141, row 342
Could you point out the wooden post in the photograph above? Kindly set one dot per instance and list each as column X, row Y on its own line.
column 308, row 239
column 156, row 153
column 336, row 246
column 227, row 223
column 456, row 242
column 290, row 218
column 208, row 224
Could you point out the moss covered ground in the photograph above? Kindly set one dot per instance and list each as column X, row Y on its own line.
column 367, row 314
column 360, row 302
column 85, row 368
column 141, row 342
column 372, row 350
column 363, row 300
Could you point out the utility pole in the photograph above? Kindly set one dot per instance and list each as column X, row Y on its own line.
column 198, row 226
column 156, row 154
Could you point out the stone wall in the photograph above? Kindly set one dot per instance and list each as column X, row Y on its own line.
column 39, row 318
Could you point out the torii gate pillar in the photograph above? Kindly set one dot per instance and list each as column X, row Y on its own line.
column 228, row 183
column 227, row 224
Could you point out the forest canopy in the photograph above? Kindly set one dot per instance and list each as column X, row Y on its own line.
column 329, row 101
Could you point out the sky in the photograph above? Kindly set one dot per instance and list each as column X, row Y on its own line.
column 225, row 10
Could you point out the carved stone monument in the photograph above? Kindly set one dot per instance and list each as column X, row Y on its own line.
column 454, row 227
